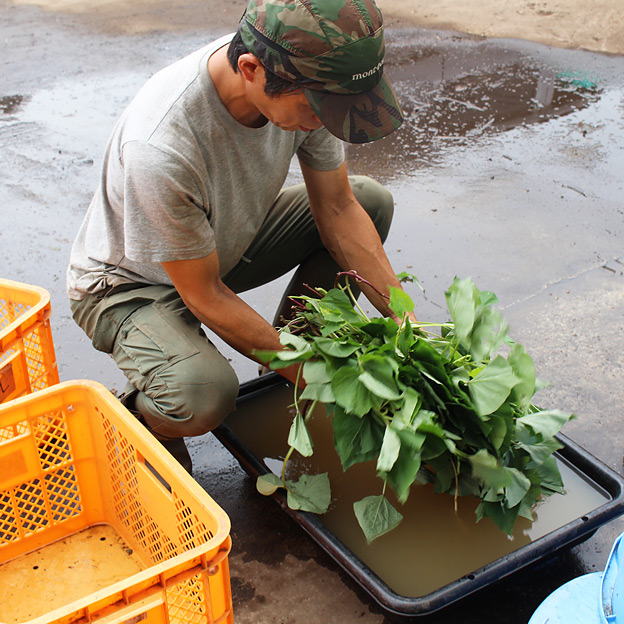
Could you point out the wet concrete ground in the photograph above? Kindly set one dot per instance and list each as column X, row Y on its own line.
column 508, row 170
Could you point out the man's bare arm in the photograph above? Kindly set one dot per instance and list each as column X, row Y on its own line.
column 221, row 310
column 348, row 232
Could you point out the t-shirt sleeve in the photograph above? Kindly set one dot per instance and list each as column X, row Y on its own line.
column 165, row 215
column 321, row 150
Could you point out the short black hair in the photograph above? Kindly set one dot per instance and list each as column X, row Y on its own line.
column 274, row 84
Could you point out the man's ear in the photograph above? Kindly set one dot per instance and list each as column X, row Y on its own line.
column 250, row 67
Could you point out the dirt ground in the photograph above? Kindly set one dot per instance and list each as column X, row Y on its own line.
column 514, row 175
column 596, row 25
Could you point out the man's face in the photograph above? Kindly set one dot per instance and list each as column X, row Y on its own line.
column 288, row 111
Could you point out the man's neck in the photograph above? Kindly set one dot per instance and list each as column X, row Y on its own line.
column 231, row 88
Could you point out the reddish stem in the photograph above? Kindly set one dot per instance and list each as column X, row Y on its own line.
column 358, row 278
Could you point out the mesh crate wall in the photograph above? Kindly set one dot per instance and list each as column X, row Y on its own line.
column 27, row 357
column 71, row 456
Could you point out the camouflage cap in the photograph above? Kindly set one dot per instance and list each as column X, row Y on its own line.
column 335, row 50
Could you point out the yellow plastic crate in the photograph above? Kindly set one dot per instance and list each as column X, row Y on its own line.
column 75, row 466
column 27, row 359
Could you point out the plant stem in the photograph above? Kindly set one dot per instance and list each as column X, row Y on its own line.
column 358, row 278
column 286, row 458
column 455, row 498
column 296, row 403
column 308, row 409
column 296, row 393
column 354, row 300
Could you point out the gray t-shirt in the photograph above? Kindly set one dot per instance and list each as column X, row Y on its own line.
column 181, row 178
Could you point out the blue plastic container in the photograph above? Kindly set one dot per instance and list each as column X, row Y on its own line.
column 596, row 598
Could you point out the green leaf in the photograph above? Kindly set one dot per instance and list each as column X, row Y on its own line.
column 529, row 500
column 318, row 392
column 318, row 382
column 524, row 368
column 405, row 339
column 411, row 439
column 295, row 342
column 412, row 400
column 383, row 388
column 268, row 483
column 336, row 305
column 499, row 479
column 390, row 448
column 299, row 436
column 298, row 349
column 502, row 516
column 309, row 493
column 315, row 371
column 336, row 348
column 355, row 439
column 404, row 276
column 460, row 375
column 378, row 376
column 376, row 516
column 540, row 451
column 499, row 431
column 434, row 447
column 540, row 384
column 331, row 327
column 549, row 476
column 489, row 471
column 264, row 355
column 461, row 302
column 545, row 423
column 488, row 334
column 400, row 302
column 517, row 488
column 444, row 475
column 480, row 328
column 350, row 394
column 432, row 365
column 489, row 389
column 380, row 328
column 404, row 472
column 288, row 357
column 487, row 298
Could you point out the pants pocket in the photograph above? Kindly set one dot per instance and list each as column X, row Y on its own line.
column 150, row 340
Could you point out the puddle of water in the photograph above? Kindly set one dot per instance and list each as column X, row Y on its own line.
column 433, row 545
column 9, row 104
column 452, row 96
column 79, row 112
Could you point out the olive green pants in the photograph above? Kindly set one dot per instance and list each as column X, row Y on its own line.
column 185, row 387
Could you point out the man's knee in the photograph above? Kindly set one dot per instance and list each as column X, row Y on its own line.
column 185, row 386
column 209, row 403
column 190, row 398
column 377, row 200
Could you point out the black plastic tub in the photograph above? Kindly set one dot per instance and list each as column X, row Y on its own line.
column 610, row 484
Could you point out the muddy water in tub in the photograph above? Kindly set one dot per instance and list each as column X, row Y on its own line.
column 433, row 546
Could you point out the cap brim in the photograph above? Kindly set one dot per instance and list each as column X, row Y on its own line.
column 360, row 118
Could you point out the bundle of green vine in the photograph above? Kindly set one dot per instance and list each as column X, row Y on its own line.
column 448, row 404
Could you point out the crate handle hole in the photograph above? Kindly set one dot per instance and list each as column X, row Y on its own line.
column 159, row 478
